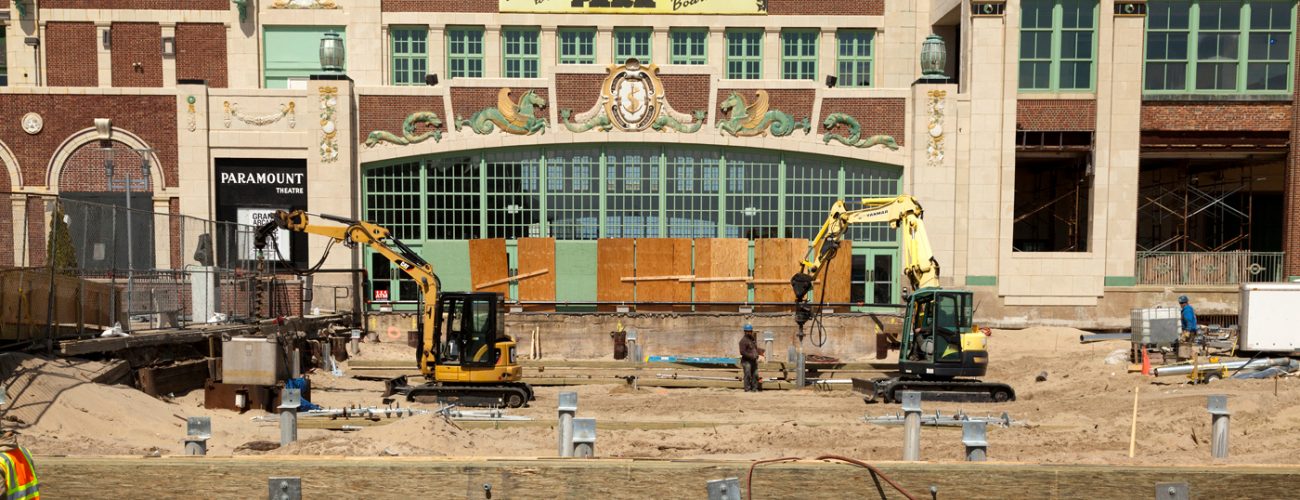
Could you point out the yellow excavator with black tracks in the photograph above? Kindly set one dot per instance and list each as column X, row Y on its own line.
column 463, row 353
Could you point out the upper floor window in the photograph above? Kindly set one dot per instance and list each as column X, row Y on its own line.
column 744, row 54
column 1057, row 44
column 520, row 57
column 854, row 57
column 465, row 52
column 688, row 46
column 1241, row 47
column 631, row 43
column 409, row 55
column 799, row 54
column 577, row 46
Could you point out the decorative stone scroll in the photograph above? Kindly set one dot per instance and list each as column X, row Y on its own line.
column 854, row 137
column 286, row 110
column 632, row 100
column 751, row 119
column 329, row 141
column 408, row 131
column 934, row 108
column 304, row 4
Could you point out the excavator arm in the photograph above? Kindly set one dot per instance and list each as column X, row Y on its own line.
column 903, row 212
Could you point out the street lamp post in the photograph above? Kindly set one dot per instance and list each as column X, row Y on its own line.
column 130, row 242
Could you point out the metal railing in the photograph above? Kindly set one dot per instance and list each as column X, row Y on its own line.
column 1208, row 268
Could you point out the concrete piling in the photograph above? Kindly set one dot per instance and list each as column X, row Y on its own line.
column 568, row 408
column 197, row 432
column 290, row 399
column 1219, row 420
column 911, row 425
column 584, row 438
column 974, row 436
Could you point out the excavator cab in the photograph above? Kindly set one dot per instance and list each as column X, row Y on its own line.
column 470, row 341
column 939, row 340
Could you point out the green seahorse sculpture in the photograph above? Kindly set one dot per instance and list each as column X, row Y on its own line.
column 667, row 121
column 509, row 116
column 746, row 120
column 408, row 130
column 854, row 137
column 599, row 122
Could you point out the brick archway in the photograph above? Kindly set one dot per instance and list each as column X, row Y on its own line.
column 83, row 143
column 9, row 181
column 84, row 171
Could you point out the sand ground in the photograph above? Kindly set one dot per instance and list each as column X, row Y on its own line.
column 1080, row 414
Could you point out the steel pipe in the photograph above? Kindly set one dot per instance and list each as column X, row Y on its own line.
column 1101, row 337
column 1258, row 364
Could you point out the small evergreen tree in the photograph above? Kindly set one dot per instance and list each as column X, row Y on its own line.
column 59, row 247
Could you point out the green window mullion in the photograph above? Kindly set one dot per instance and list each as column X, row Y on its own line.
column 780, row 197
column 482, row 197
column 520, row 57
column 802, row 63
column 663, row 194
column 744, row 54
column 688, row 46
column 632, row 42
column 577, row 45
column 424, row 203
column 854, row 54
column 408, row 55
column 465, row 53
column 722, row 196
column 543, row 189
column 1193, row 27
column 604, row 183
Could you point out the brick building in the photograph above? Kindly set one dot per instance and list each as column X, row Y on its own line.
column 1076, row 159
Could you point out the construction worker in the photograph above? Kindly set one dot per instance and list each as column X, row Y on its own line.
column 19, row 471
column 1188, row 317
column 749, row 354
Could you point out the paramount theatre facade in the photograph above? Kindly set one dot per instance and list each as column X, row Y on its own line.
column 1074, row 158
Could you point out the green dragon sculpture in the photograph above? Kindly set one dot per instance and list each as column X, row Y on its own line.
column 667, row 121
column 854, row 137
column 599, row 122
column 408, row 130
column 510, row 117
column 747, row 120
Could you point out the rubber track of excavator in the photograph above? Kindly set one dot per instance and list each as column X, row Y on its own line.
column 494, row 395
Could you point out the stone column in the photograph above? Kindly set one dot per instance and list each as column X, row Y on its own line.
column 104, row 55
column 604, row 45
column 169, row 62
column 1291, row 189
column 18, row 206
column 331, row 170
column 932, row 141
column 364, row 41
column 22, row 63
column 492, row 52
column 989, row 101
column 771, row 53
column 162, row 231
column 437, row 51
column 827, row 51
column 243, row 50
column 547, row 50
column 1119, row 130
column 195, row 182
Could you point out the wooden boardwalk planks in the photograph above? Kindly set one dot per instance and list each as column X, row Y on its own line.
column 536, row 254
column 614, row 260
column 489, row 262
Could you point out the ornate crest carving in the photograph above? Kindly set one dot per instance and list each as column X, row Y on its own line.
column 632, row 100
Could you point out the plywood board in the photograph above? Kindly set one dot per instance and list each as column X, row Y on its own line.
column 614, row 260
column 488, row 261
column 776, row 259
column 838, row 277
column 663, row 257
column 721, row 258
column 536, row 254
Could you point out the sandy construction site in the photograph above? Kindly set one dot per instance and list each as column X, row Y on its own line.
column 1081, row 414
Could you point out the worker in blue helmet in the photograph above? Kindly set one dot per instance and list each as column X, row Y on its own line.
column 1188, row 317
column 749, row 354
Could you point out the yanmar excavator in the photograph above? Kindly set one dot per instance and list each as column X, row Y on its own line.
column 939, row 344
column 464, row 352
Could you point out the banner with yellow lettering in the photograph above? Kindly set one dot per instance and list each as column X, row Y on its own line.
column 635, row 6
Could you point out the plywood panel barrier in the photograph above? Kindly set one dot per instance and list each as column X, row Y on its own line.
column 837, row 277
column 721, row 272
column 775, row 261
column 489, row 263
column 663, row 257
column 615, row 260
column 537, row 254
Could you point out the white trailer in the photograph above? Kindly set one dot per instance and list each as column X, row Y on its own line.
column 1269, row 317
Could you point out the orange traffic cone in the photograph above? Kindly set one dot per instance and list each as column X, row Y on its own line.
column 1146, row 363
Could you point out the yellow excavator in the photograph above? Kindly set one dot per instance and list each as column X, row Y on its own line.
column 939, row 344
column 463, row 352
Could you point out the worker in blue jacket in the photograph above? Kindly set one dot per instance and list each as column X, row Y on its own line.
column 1188, row 316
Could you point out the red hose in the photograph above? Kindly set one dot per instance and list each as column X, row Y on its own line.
column 749, row 481
column 872, row 469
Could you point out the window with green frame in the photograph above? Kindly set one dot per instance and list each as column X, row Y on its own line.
column 799, row 54
column 855, row 57
column 688, row 46
column 1241, row 46
column 744, row 54
column 465, row 52
column 520, row 57
column 631, row 43
column 1057, row 44
column 577, row 45
column 409, row 54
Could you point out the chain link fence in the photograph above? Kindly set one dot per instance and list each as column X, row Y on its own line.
column 145, row 269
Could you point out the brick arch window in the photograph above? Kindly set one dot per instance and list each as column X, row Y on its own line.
column 86, row 170
column 95, row 205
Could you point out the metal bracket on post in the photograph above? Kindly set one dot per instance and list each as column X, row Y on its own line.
column 568, row 408
column 584, row 437
column 290, row 400
column 284, row 488
column 1220, row 418
column 197, row 432
column 974, row 435
column 911, row 424
column 633, row 348
column 768, row 338
column 724, row 489
column 356, row 341
column 1172, row 491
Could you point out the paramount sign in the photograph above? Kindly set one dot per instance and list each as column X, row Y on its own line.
column 733, row 7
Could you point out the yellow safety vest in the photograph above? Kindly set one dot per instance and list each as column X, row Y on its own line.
column 20, row 475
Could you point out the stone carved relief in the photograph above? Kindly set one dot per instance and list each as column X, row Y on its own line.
column 286, row 110
column 189, row 105
column 854, row 136
column 632, row 100
column 304, row 4
column 751, row 119
column 329, row 141
column 511, row 117
column 408, row 131
column 934, row 148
